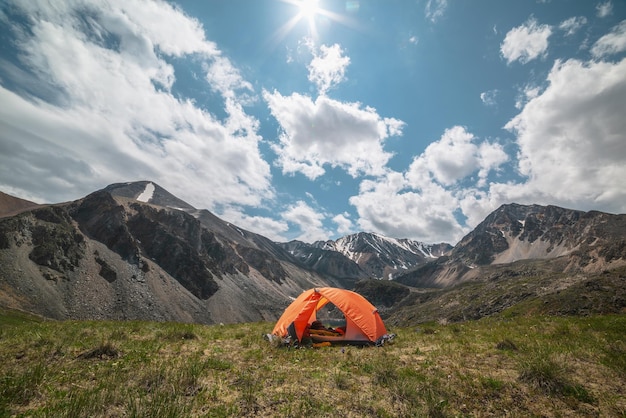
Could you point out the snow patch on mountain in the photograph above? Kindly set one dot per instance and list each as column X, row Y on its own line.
column 147, row 193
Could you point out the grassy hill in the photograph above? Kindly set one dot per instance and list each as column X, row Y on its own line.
column 508, row 365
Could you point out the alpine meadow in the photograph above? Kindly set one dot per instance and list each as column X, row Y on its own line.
column 326, row 208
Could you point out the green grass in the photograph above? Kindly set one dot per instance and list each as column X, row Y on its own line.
column 526, row 366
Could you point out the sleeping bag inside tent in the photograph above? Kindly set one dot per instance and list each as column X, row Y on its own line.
column 363, row 324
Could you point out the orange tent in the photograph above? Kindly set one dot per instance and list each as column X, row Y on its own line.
column 363, row 323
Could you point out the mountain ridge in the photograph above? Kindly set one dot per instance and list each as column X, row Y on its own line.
column 110, row 256
column 589, row 241
column 11, row 205
column 135, row 251
column 376, row 255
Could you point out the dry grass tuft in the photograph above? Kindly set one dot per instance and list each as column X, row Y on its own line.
column 103, row 352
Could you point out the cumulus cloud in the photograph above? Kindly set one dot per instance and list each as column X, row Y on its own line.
column 308, row 220
column 526, row 94
column 526, row 42
column 435, row 9
column 571, row 139
column 571, row 144
column 274, row 229
column 108, row 113
column 326, row 131
column 223, row 77
column 571, row 153
column 389, row 205
column 604, row 9
column 451, row 158
column 344, row 223
column 97, row 79
column 454, row 157
column 421, row 203
column 328, row 67
column 612, row 43
column 572, row 25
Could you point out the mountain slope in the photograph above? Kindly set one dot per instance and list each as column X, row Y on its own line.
column 589, row 241
column 112, row 256
column 10, row 205
column 328, row 263
column 134, row 251
column 528, row 287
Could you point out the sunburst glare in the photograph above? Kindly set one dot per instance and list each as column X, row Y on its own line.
column 310, row 11
column 309, row 8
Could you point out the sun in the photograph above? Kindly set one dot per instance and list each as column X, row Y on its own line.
column 311, row 12
column 309, row 8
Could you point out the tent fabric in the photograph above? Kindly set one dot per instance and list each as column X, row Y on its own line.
column 363, row 322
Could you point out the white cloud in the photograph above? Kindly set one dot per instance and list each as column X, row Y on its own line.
column 604, row 9
column 326, row 131
column 388, row 206
column 328, row 67
column 344, row 223
column 451, row 158
column 526, row 94
column 435, row 9
column 489, row 97
column 572, row 146
column 611, row 43
column 526, row 42
column 572, row 153
column 476, row 205
column 454, row 157
column 108, row 113
column 223, row 77
column 490, row 156
column 270, row 228
column 308, row 220
column 421, row 203
column 571, row 138
column 573, row 24
column 104, row 78
column 136, row 24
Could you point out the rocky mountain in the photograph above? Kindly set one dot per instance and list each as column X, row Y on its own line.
column 365, row 255
column 326, row 262
column 587, row 241
column 134, row 251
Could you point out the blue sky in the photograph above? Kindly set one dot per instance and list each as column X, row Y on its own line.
column 312, row 120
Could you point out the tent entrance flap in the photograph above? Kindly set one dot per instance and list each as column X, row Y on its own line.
column 291, row 332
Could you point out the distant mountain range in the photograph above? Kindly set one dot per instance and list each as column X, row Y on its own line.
column 587, row 242
column 372, row 255
column 135, row 251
